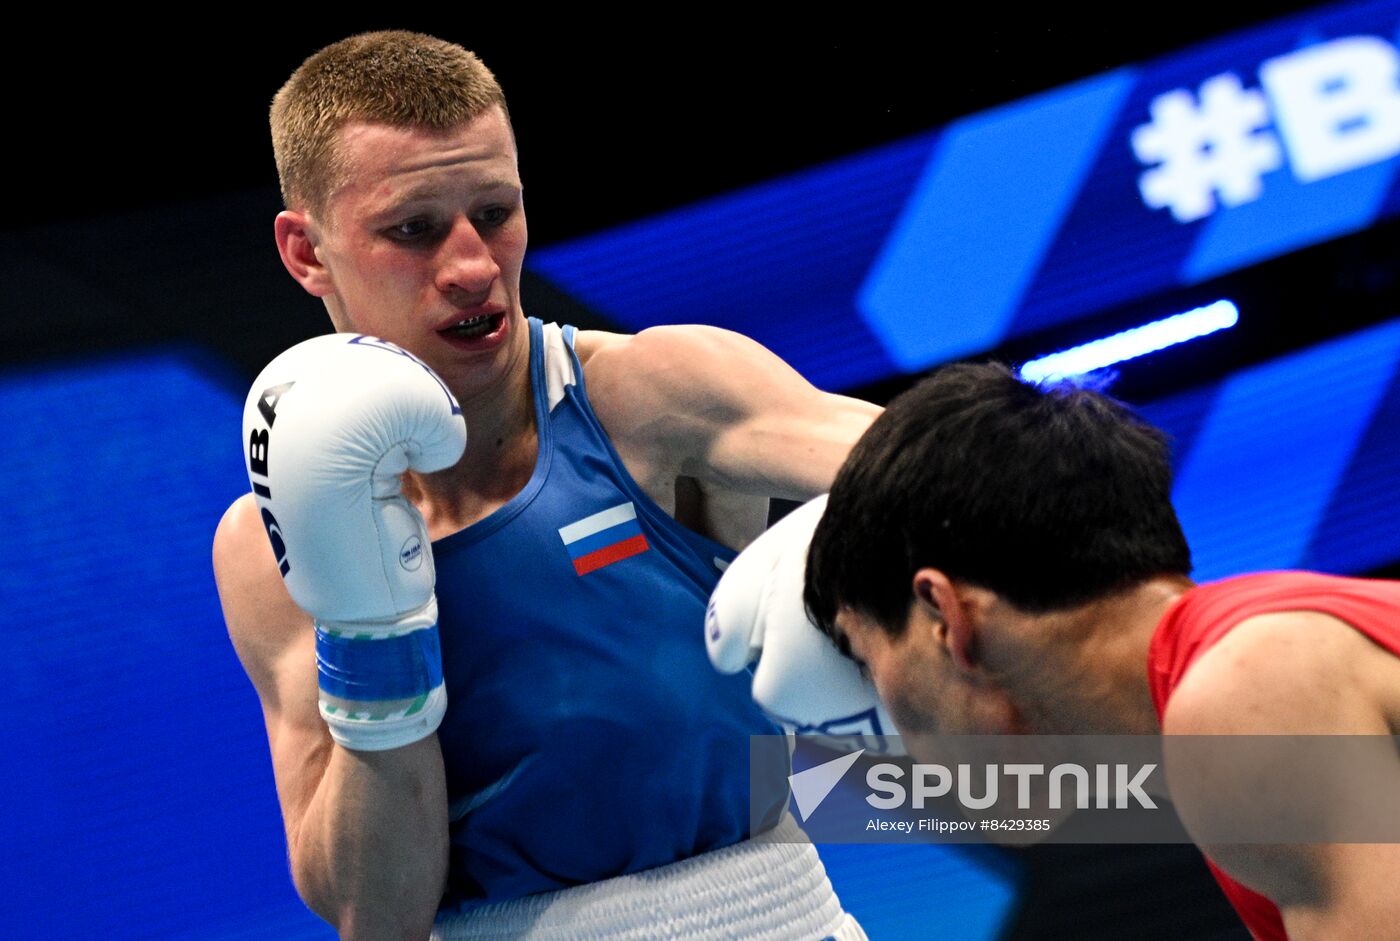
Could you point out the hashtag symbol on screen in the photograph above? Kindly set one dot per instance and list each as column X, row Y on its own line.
column 1203, row 148
column 985, row 824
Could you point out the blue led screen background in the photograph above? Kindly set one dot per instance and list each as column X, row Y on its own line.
column 141, row 292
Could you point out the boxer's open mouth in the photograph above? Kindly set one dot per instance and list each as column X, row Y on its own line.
column 474, row 327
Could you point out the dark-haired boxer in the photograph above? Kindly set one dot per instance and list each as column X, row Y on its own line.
column 1004, row 558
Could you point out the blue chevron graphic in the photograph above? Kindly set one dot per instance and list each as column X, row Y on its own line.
column 1295, row 215
column 780, row 263
column 1358, row 531
column 1263, row 464
column 989, row 206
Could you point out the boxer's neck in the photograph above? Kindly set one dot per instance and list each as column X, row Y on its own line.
column 1090, row 665
column 502, row 448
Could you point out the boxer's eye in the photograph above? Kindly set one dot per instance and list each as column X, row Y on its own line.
column 496, row 216
column 410, row 231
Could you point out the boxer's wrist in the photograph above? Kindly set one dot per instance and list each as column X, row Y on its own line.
column 366, row 734
column 380, row 682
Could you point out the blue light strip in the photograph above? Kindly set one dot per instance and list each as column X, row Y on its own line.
column 1130, row 344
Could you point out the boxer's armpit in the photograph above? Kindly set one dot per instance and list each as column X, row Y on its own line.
column 1354, row 896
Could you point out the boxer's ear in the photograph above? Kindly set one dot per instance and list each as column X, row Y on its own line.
column 297, row 237
column 953, row 611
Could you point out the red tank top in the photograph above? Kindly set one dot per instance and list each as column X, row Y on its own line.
column 1206, row 613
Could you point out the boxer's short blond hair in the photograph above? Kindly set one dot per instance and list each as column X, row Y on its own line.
column 392, row 77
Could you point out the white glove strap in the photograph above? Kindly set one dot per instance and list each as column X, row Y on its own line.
column 381, row 683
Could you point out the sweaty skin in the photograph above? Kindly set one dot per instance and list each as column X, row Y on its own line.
column 428, row 230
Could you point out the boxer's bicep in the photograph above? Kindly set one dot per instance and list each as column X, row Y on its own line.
column 789, row 444
column 1278, row 678
column 1358, row 897
column 787, row 438
column 726, row 411
column 275, row 643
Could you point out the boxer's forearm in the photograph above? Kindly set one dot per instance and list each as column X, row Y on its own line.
column 370, row 854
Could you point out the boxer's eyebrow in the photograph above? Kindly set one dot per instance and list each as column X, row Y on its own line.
column 398, row 201
column 501, row 186
column 421, row 193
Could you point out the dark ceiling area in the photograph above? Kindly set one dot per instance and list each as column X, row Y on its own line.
column 617, row 116
column 144, row 187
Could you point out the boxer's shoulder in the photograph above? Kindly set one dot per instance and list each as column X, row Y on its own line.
column 241, row 548
column 1289, row 673
column 1295, row 672
column 694, row 377
column 662, row 354
column 645, row 389
column 263, row 621
column 589, row 342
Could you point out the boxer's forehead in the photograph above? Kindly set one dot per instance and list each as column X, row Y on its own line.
column 858, row 635
column 385, row 168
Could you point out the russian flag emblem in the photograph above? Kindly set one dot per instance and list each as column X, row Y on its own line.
column 604, row 538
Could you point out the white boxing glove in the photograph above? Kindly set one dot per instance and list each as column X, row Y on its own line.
column 330, row 425
column 756, row 614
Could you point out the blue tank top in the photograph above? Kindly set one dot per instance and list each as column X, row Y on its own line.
column 586, row 734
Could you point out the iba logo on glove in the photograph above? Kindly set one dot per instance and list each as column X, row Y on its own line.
column 411, row 555
column 712, row 622
column 258, row 446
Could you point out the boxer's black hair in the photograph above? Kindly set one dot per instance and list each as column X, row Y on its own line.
column 1051, row 496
